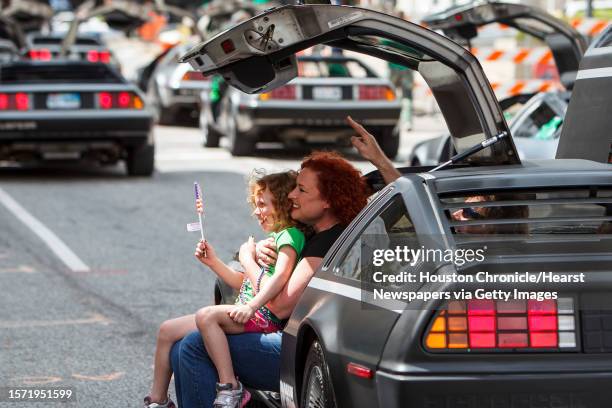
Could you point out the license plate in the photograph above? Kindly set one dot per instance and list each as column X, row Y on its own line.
column 64, row 101
column 327, row 93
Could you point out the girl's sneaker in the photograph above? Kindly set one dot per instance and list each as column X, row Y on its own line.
column 227, row 397
column 148, row 404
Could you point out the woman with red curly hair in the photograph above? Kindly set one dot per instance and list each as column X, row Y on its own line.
column 329, row 193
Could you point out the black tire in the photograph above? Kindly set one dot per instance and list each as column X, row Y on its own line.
column 211, row 137
column 239, row 143
column 415, row 162
column 141, row 160
column 389, row 139
column 317, row 389
column 161, row 115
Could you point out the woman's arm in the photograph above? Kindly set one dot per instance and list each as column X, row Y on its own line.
column 225, row 273
column 368, row 148
column 284, row 303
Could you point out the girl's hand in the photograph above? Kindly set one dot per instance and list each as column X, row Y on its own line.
column 265, row 252
column 202, row 248
column 242, row 313
column 247, row 251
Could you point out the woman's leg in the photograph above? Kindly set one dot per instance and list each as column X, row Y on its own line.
column 256, row 359
column 214, row 323
column 170, row 332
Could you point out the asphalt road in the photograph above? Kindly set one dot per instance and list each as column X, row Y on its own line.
column 92, row 261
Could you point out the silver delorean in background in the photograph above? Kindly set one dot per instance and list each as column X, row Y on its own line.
column 340, row 348
column 537, row 124
column 311, row 108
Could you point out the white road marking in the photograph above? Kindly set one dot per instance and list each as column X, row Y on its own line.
column 56, row 245
column 95, row 319
column 103, row 377
column 19, row 269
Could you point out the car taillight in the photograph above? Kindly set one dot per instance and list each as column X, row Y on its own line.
column 98, row 56
column 14, row 101
column 283, row 92
column 376, row 92
column 495, row 325
column 42, row 54
column 193, row 76
column 119, row 100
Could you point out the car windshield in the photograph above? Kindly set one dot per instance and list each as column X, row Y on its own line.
column 34, row 73
column 333, row 68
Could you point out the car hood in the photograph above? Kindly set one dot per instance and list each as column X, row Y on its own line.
column 259, row 55
column 566, row 43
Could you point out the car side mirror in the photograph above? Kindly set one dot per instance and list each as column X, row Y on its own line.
column 259, row 74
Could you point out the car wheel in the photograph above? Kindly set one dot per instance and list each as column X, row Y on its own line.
column 161, row 115
column 239, row 144
column 415, row 162
column 211, row 136
column 141, row 160
column 388, row 138
column 316, row 387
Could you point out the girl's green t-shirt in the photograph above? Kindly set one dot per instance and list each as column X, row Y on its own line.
column 290, row 236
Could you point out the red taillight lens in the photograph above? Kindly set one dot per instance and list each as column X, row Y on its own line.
column 104, row 56
column 124, row 100
column 22, row 101
column 93, row 56
column 498, row 325
column 376, row 92
column 284, row 92
column 42, row 54
column 98, row 56
column 4, row 101
column 193, row 76
column 17, row 101
column 105, row 100
column 119, row 100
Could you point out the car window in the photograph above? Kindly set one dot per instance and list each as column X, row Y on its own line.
column 332, row 69
column 391, row 225
column 542, row 124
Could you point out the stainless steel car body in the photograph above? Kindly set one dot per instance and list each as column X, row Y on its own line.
column 316, row 113
column 375, row 354
column 535, row 128
column 567, row 46
column 173, row 86
column 63, row 117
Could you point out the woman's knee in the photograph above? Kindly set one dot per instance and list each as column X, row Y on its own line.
column 168, row 332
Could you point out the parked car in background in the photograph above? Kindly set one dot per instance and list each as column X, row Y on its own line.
column 47, row 47
column 174, row 88
column 77, row 110
column 535, row 136
column 72, row 107
column 342, row 347
column 312, row 108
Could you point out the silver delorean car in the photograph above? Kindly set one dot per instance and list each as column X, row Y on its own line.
column 343, row 349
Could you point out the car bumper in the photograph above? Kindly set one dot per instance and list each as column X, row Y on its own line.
column 546, row 390
column 83, row 125
column 321, row 116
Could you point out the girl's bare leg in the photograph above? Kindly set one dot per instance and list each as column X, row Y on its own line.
column 214, row 323
column 170, row 332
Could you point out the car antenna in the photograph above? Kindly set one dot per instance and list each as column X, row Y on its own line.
column 474, row 149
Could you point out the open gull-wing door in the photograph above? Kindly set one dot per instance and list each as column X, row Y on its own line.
column 259, row 55
column 566, row 44
column 30, row 15
column 586, row 130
